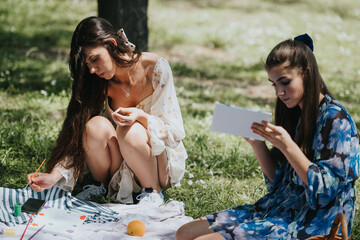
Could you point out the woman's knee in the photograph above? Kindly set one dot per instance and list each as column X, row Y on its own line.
column 184, row 232
column 194, row 229
column 99, row 128
column 133, row 135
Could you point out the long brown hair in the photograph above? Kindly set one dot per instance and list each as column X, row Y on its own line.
column 298, row 55
column 88, row 90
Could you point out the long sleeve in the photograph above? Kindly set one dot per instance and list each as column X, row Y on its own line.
column 165, row 123
column 336, row 157
column 67, row 182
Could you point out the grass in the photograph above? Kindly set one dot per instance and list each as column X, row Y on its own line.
column 216, row 49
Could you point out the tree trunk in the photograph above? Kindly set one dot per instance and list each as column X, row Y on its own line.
column 131, row 15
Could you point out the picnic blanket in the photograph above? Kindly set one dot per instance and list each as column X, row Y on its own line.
column 105, row 221
column 54, row 197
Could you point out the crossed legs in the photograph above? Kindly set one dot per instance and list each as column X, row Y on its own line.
column 106, row 148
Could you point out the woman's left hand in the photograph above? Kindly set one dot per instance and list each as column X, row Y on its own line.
column 126, row 116
column 276, row 135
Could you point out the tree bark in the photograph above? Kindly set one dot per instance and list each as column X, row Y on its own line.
column 131, row 15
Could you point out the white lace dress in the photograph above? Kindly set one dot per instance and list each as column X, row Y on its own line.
column 165, row 126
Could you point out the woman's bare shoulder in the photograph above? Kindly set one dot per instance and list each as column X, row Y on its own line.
column 149, row 58
column 148, row 61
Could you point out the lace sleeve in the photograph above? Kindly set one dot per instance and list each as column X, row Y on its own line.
column 67, row 182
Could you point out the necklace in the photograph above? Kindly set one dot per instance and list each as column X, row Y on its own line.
column 127, row 93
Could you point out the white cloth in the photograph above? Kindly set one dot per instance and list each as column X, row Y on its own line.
column 160, row 223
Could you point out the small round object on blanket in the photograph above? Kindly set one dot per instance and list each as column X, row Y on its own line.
column 136, row 228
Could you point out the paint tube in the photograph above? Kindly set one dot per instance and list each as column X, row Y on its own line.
column 7, row 231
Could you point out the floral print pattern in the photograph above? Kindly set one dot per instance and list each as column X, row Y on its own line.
column 166, row 130
column 292, row 210
column 165, row 123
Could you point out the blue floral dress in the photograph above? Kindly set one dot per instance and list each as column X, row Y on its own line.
column 292, row 210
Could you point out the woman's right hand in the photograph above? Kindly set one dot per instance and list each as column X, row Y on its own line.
column 263, row 156
column 254, row 142
column 42, row 181
column 250, row 140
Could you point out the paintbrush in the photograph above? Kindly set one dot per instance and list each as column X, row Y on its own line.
column 36, row 232
column 26, row 227
column 36, row 171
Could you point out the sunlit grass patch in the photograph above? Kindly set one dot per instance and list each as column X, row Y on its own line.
column 218, row 193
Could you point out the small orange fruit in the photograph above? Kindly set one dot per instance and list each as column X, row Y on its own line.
column 136, row 228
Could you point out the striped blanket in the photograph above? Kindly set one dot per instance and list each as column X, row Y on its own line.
column 54, row 197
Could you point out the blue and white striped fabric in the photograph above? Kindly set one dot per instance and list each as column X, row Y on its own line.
column 54, row 197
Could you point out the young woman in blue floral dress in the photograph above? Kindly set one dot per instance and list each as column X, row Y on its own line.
column 310, row 171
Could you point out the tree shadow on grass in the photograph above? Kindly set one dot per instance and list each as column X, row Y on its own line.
column 11, row 115
column 48, row 38
column 22, row 71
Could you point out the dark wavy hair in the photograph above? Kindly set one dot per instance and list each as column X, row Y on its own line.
column 295, row 54
column 88, row 90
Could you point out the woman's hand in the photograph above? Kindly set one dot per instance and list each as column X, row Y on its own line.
column 281, row 139
column 127, row 116
column 276, row 135
column 263, row 156
column 254, row 142
column 42, row 181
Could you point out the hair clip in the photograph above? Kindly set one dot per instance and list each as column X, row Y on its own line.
column 305, row 39
column 122, row 35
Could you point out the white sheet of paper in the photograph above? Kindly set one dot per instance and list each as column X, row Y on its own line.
column 58, row 221
column 237, row 120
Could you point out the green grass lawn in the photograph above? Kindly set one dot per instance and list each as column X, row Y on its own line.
column 216, row 49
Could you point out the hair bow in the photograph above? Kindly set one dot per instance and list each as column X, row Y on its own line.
column 305, row 39
column 122, row 35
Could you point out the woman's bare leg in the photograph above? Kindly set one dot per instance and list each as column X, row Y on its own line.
column 137, row 153
column 163, row 171
column 198, row 229
column 101, row 147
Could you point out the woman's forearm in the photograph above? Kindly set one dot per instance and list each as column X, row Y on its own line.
column 262, row 154
column 297, row 159
column 56, row 175
column 143, row 118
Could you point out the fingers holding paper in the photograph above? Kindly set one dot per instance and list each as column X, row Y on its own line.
column 276, row 135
